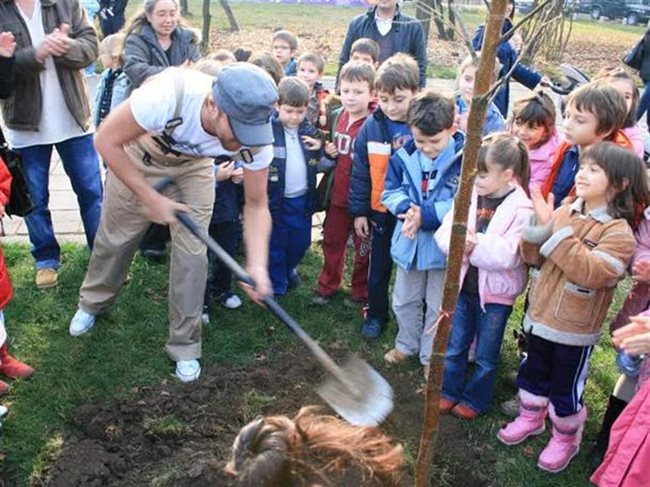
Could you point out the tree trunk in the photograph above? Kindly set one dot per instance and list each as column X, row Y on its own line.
column 234, row 27
column 475, row 121
column 185, row 9
column 452, row 19
column 207, row 19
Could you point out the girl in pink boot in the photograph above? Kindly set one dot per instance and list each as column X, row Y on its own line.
column 582, row 250
column 9, row 366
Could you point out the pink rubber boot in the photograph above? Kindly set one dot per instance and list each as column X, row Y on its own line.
column 530, row 422
column 565, row 441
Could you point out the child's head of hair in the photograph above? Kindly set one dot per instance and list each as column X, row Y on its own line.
column 313, row 449
column 354, row 71
column 398, row 72
column 602, row 101
column 310, row 68
column 269, row 64
column 224, row 56
column 111, row 50
column 286, row 37
column 467, row 72
column 314, row 58
column 365, row 50
column 431, row 113
column 621, row 80
column 626, row 176
column 534, row 111
column 293, row 92
column 209, row 66
column 502, row 158
column 242, row 55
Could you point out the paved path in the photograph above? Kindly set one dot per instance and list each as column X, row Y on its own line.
column 63, row 201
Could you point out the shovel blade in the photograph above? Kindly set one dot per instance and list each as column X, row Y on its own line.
column 366, row 399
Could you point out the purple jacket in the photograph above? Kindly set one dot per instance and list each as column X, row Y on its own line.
column 541, row 161
column 502, row 274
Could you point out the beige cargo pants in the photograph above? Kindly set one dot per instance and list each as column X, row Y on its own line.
column 122, row 226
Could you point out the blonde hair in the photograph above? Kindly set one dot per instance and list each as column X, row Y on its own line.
column 313, row 448
column 469, row 61
column 113, row 46
column 209, row 66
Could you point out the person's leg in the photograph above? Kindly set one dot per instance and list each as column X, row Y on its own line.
column 644, row 103
column 300, row 236
column 492, row 324
column 381, row 266
column 279, row 244
column 154, row 242
column 188, row 263
column 435, row 281
column 335, row 236
column 81, row 164
column 360, row 267
column 460, row 337
column 121, row 227
column 408, row 296
column 36, row 167
column 227, row 235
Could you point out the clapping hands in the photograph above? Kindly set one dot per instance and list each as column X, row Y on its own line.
column 412, row 221
column 7, row 44
column 56, row 43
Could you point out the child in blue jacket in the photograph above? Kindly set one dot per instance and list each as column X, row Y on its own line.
column 292, row 183
column 419, row 190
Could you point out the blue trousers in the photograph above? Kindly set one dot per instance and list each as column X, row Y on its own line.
column 381, row 266
column 228, row 236
column 488, row 326
column 81, row 164
column 290, row 239
column 556, row 371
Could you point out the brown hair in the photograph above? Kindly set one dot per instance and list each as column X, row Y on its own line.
column 223, row 56
column 279, row 451
column 616, row 74
column 627, row 175
column 269, row 64
column 604, row 102
column 507, row 152
column 209, row 66
column 293, row 92
column 357, row 71
column 398, row 72
column 314, row 58
column 366, row 46
column 536, row 109
column 288, row 37
column 431, row 112
column 139, row 19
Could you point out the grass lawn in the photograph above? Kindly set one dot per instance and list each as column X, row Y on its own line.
column 125, row 351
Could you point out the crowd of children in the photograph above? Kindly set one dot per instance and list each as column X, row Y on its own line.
column 571, row 208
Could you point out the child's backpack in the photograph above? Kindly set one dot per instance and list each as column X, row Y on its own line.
column 20, row 201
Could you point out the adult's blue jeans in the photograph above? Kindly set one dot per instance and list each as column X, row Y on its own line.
column 81, row 164
column 488, row 326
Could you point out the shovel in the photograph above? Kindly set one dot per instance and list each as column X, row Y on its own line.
column 356, row 391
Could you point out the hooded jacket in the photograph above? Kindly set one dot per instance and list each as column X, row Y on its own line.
column 144, row 56
column 23, row 109
column 403, row 186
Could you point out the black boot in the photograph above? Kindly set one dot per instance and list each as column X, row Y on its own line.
column 614, row 409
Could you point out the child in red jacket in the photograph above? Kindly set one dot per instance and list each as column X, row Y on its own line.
column 9, row 366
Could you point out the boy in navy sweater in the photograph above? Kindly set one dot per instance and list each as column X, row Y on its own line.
column 292, row 183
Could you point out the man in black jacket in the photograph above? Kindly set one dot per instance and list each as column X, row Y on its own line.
column 7, row 49
column 111, row 16
column 392, row 30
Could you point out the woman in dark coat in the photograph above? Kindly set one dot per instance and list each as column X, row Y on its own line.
column 156, row 39
column 644, row 72
column 7, row 79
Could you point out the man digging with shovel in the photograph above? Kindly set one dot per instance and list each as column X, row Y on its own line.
column 175, row 125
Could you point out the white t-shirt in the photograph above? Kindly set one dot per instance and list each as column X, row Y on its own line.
column 57, row 123
column 153, row 105
column 383, row 25
column 295, row 178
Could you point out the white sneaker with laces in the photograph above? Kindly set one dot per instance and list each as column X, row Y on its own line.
column 232, row 302
column 188, row 370
column 81, row 322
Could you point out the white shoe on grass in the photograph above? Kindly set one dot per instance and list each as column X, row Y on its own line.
column 81, row 322
column 231, row 302
column 188, row 370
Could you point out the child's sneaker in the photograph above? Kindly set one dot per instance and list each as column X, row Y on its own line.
column 372, row 328
column 463, row 411
column 510, row 407
column 394, row 356
column 12, row 367
column 320, row 299
column 188, row 370
column 446, row 405
column 230, row 301
column 294, row 279
column 81, row 322
column 205, row 316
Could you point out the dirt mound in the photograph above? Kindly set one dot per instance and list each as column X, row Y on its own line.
column 180, row 435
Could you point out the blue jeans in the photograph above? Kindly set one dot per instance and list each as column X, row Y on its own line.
column 489, row 325
column 81, row 164
column 644, row 104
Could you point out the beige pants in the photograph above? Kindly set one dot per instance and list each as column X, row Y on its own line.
column 122, row 227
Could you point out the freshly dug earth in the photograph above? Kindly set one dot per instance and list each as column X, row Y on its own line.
column 180, row 435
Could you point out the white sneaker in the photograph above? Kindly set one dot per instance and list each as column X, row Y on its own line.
column 232, row 302
column 81, row 322
column 205, row 318
column 188, row 370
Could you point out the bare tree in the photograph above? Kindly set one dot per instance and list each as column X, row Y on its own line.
column 185, row 9
column 551, row 41
column 207, row 20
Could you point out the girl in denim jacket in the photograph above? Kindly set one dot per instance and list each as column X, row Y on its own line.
column 493, row 273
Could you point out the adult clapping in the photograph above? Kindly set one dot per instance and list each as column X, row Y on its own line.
column 7, row 49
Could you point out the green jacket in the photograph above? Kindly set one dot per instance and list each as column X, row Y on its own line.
column 22, row 110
